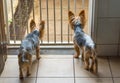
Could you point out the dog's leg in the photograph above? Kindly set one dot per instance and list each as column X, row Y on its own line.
column 29, row 69
column 95, row 65
column 92, row 64
column 20, row 68
column 82, row 54
column 77, row 51
column 38, row 52
column 20, row 73
column 86, row 60
column 29, row 66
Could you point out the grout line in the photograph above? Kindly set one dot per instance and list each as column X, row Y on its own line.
column 55, row 77
column 93, row 77
column 18, row 77
column 37, row 72
column 110, row 69
column 74, row 70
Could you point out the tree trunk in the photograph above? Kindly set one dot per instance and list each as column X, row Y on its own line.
column 21, row 17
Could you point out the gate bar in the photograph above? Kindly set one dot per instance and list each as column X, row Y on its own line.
column 6, row 19
column 13, row 22
column 75, row 6
column 68, row 23
column 33, row 11
column 54, row 22
column 61, row 23
column 40, row 10
column 83, row 4
column 47, row 21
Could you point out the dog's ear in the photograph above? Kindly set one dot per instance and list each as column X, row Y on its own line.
column 82, row 16
column 82, row 13
column 71, row 18
column 70, row 15
column 32, row 25
column 41, row 29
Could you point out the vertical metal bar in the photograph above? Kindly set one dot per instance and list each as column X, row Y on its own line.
column 33, row 11
column 40, row 10
column 27, row 15
column 40, row 13
column 83, row 4
column 75, row 6
column 20, row 18
column 68, row 24
column 47, row 21
column 6, row 19
column 54, row 22
column 61, row 22
column 13, row 21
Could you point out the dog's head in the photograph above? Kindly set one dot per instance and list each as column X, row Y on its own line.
column 40, row 27
column 77, row 20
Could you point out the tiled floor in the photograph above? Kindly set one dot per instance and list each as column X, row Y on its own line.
column 63, row 69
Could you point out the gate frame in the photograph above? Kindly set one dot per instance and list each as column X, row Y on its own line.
column 92, row 23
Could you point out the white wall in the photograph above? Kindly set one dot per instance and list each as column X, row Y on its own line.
column 107, row 27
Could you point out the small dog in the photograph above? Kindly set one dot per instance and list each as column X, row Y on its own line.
column 28, row 46
column 83, row 41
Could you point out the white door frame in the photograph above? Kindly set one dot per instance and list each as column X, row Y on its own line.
column 92, row 18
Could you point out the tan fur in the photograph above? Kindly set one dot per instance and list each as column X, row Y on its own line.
column 28, row 65
column 42, row 25
column 86, row 53
column 24, row 65
column 81, row 17
column 32, row 25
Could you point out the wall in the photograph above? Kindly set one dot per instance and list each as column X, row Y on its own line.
column 107, row 27
column 3, row 46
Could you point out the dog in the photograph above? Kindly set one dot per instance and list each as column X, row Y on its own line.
column 28, row 45
column 82, row 41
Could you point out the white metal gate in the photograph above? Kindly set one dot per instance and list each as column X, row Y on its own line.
column 55, row 14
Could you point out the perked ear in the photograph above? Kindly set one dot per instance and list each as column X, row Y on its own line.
column 70, row 14
column 41, row 29
column 32, row 25
column 82, row 13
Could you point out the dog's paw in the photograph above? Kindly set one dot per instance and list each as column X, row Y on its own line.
column 21, row 77
column 28, row 74
column 91, row 69
column 38, row 58
column 76, row 56
column 86, row 68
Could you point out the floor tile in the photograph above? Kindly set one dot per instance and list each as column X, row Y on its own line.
column 115, row 66
column 55, row 80
column 57, row 56
column 116, row 80
column 17, row 80
column 57, row 51
column 94, row 80
column 103, row 69
column 12, row 69
column 55, row 68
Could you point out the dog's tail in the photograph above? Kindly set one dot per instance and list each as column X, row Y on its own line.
column 41, row 29
column 32, row 25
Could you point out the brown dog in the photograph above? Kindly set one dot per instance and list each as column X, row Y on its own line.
column 28, row 46
column 82, row 41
